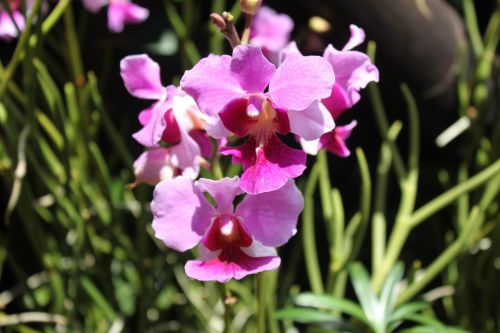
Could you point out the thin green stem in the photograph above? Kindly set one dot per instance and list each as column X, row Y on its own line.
column 76, row 63
column 472, row 27
column 441, row 262
column 379, row 223
column 325, row 187
column 409, row 185
column 245, row 37
column 337, row 248
column 382, row 122
column 308, row 237
column 21, row 45
column 182, row 32
column 216, row 38
column 49, row 22
column 227, row 307
column 261, row 303
column 452, row 194
column 365, row 202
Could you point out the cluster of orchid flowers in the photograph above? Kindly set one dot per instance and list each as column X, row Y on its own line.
column 120, row 12
column 264, row 90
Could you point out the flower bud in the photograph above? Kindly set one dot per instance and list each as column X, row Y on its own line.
column 250, row 6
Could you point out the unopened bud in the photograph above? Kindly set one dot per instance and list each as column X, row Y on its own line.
column 250, row 6
column 218, row 21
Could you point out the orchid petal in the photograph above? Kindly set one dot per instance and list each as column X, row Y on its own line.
column 271, row 31
column 357, row 38
column 353, row 71
column 222, row 271
column 300, row 80
column 271, row 218
column 141, row 76
column 181, row 214
column 266, row 168
column 212, row 84
column 312, row 122
column 223, row 191
column 252, row 70
column 94, row 5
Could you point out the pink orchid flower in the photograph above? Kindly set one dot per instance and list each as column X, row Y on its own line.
column 119, row 12
column 353, row 71
column 8, row 29
column 174, row 120
column 271, row 32
column 233, row 243
column 252, row 98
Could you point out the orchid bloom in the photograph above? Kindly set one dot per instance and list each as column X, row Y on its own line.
column 271, row 32
column 233, row 243
column 252, row 98
column 8, row 28
column 119, row 12
column 174, row 120
column 353, row 71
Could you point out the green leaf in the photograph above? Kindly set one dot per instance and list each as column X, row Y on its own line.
column 406, row 310
column 387, row 298
column 331, row 303
column 364, row 292
column 98, row 298
column 307, row 316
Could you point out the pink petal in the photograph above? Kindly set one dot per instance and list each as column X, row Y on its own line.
column 135, row 14
column 353, row 71
column 145, row 116
column 181, row 214
column 312, row 122
column 151, row 134
column 141, row 76
column 271, row 31
column 120, row 13
column 221, row 271
column 288, row 49
column 300, row 80
column 334, row 141
column 94, row 5
column 212, row 84
column 7, row 28
column 186, row 154
column 338, row 101
column 235, row 117
column 266, row 168
column 357, row 38
column 223, row 191
column 153, row 166
column 271, row 217
column 310, row 147
column 252, row 70
column 203, row 141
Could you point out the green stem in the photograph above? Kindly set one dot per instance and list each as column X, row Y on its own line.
column 261, row 304
column 382, row 122
column 325, row 187
column 182, row 32
column 76, row 63
column 308, row 237
column 398, row 237
column 20, row 47
column 472, row 27
column 245, row 37
column 365, row 202
column 444, row 259
column 227, row 307
column 451, row 195
column 379, row 223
